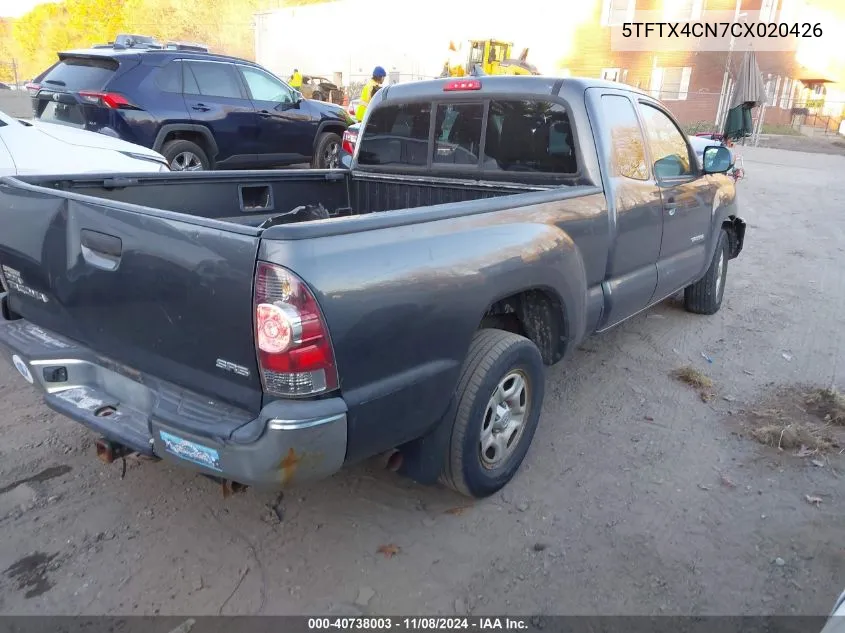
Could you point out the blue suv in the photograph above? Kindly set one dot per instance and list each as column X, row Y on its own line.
column 200, row 110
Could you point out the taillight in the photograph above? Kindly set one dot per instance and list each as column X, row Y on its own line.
column 111, row 100
column 349, row 140
column 33, row 88
column 462, row 84
column 295, row 354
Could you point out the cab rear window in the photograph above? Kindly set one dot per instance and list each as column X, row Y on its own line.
column 396, row 135
column 80, row 73
column 529, row 136
column 532, row 137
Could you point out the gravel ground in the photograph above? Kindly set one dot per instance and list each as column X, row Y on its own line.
column 637, row 497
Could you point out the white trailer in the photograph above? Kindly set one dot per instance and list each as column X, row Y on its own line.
column 336, row 37
column 409, row 40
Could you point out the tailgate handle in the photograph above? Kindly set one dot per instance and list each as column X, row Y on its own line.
column 101, row 250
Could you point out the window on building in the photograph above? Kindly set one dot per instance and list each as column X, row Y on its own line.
column 611, row 74
column 529, row 136
column 396, row 135
column 683, row 10
column 626, row 137
column 670, row 84
column 786, row 94
column 669, row 149
column 457, row 133
column 616, row 12
column 768, row 9
column 772, row 90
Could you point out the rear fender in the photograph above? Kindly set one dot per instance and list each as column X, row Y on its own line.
column 550, row 263
column 172, row 128
column 329, row 126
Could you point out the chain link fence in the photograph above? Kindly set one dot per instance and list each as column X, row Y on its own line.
column 705, row 112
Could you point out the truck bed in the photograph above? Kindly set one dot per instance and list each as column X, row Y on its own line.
column 250, row 198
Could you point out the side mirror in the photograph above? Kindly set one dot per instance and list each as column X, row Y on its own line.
column 717, row 159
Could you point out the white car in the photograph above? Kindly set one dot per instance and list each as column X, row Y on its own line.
column 37, row 147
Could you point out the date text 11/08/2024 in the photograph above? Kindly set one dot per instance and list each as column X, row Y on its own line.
column 418, row 624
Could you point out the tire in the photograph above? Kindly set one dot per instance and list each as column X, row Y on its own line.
column 327, row 152
column 495, row 358
column 317, row 96
column 184, row 155
column 705, row 295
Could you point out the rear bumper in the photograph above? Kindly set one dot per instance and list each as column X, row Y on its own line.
column 287, row 442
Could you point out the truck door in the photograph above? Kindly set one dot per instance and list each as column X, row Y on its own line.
column 687, row 202
column 634, row 202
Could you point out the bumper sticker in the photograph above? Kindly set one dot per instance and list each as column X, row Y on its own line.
column 191, row 451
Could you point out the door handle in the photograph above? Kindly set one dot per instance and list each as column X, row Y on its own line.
column 265, row 113
column 200, row 107
column 101, row 250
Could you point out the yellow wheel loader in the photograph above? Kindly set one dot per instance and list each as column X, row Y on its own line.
column 490, row 57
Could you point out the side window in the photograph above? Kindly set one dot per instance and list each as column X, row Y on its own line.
column 457, row 133
column 169, row 77
column 529, row 136
column 265, row 87
column 626, row 137
column 668, row 146
column 396, row 135
column 212, row 79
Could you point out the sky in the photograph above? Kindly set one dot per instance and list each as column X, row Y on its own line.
column 16, row 8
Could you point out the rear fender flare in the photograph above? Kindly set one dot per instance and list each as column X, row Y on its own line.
column 338, row 127
column 166, row 130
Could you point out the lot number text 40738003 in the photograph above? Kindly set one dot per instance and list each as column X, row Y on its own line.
column 418, row 624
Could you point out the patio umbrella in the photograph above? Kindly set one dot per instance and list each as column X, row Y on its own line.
column 749, row 91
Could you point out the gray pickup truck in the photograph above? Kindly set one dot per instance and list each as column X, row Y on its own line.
column 485, row 228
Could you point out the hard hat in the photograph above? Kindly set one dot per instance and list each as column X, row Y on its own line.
column 378, row 72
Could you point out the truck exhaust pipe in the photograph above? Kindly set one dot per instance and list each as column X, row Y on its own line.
column 108, row 452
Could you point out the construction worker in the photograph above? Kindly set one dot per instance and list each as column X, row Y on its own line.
column 455, row 63
column 370, row 89
column 296, row 79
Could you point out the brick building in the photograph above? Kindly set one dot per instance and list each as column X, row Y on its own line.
column 693, row 84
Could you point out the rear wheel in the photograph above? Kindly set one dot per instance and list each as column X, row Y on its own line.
column 327, row 152
column 500, row 393
column 184, row 155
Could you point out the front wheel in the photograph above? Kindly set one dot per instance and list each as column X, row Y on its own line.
column 500, row 394
column 705, row 295
column 327, row 152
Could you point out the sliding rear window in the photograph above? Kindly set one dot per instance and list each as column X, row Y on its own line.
column 530, row 137
column 80, row 73
column 396, row 135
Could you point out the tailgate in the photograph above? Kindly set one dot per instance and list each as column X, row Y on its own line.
column 60, row 96
column 163, row 293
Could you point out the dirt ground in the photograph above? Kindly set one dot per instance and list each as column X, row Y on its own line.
column 637, row 497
